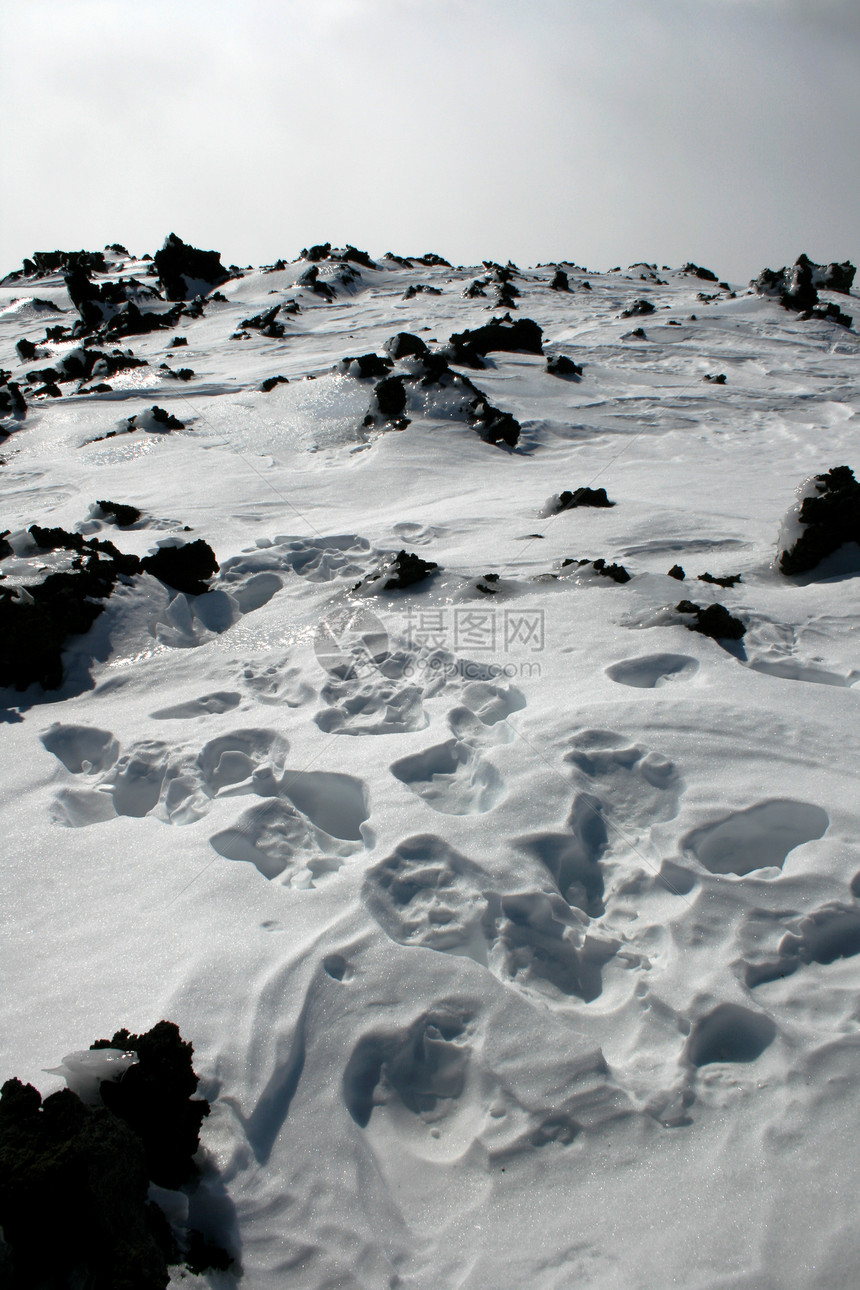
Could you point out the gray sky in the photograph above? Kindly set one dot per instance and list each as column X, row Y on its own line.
column 599, row 131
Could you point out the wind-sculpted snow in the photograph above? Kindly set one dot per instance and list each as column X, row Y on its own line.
column 454, row 727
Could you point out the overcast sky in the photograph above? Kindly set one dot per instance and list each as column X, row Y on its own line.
column 598, row 131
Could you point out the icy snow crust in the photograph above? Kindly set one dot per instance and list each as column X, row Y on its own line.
column 528, row 961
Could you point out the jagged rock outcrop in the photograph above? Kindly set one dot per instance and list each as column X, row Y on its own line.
column 184, row 269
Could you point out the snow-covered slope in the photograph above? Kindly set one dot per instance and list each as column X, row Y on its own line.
column 513, row 922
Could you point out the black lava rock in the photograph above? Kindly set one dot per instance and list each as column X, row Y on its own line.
column 616, row 572
column 677, row 572
column 568, row 501
column 390, row 396
column 404, row 345
column 120, row 513
column 713, row 620
column 154, row 1098
column 560, row 365
column 504, row 334
column 351, row 253
column 46, row 263
column 728, row 581
column 831, row 518
column 405, row 570
column 266, row 324
column 316, row 253
column 638, row 309
column 186, row 568
column 698, row 272
column 5, row 547
column 271, row 381
column 560, row 281
column 430, row 259
column 35, row 623
column 12, row 402
column 796, row 287
column 493, row 425
column 26, row 349
column 73, row 1197
column 178, row 341
column 367, row 366
column 181, row 267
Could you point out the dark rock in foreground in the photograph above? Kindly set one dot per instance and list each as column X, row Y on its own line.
column 403, row 571
column 561, row 365
column 154, row 1098
column 74, row 1178
column 186, row 568
column 568, row 501
column 713, row 620
column 36, row 621
column 831, row 518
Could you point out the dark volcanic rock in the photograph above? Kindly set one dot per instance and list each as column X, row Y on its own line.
column 266, row 324
column 120, row 513
column 390, row 396
column 271, row 381
column 73, row 1197
column 430, row 258
column 728, row 581
column 405, row 569
column 677, row 572
column 81, row 364
column 796, row 288
column 181, row 267
column 560, row 281
column 26, row 350
column 560, row 365
column 638, row 309
column 698, row 272
column 415, row 287
column 493, row 425
column 351, row 253
column 155, row 419
column 46, row 263
column 713, row 620
column 831, row 518
column 404, row 344
column 154, row 1098
column 315, row 253
column 5, row 548
column 719, row 379
column 186, row 568
column 616, row 572
column 12, row 402
column 35, row 621
column 567, row 501
column 503, row 334
column 367, row 366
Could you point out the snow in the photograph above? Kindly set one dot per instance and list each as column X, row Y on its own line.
column 514, row 929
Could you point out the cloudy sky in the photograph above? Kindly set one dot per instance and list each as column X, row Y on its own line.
column 598, row 131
